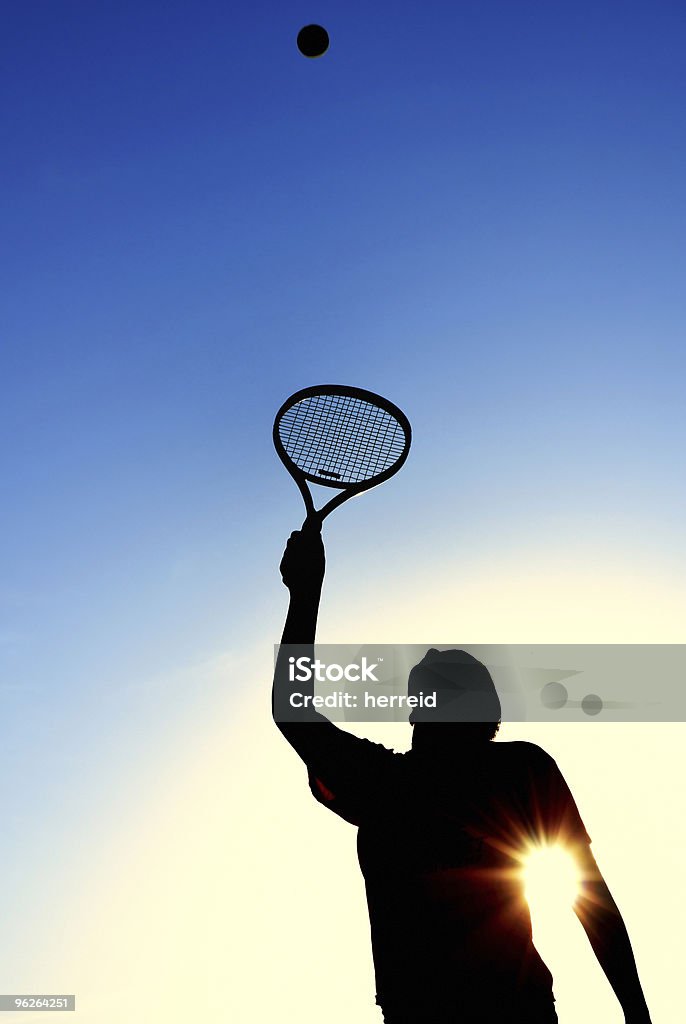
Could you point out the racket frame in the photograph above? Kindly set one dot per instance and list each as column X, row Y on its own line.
column 316, row 516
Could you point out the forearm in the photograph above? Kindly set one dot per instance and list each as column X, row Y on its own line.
column 297, row 642
column 609, row 939
column 301, row 621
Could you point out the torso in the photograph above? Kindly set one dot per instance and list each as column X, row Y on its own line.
column 442, row 872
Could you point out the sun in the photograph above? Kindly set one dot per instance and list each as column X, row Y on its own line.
column 551, row 879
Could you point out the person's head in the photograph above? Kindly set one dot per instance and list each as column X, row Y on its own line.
column 467, row 707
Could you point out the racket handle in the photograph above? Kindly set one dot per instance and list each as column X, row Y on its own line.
column 313, row 523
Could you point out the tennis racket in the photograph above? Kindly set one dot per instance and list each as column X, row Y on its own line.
column 339, row 437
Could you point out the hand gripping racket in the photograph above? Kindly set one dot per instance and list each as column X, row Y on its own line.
column 340, row 437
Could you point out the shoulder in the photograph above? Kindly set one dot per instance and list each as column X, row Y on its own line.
column 523, row 749
column 357, row 780
column 385, row 760
column 527, row 754
column 377, row 750
column 346, row 756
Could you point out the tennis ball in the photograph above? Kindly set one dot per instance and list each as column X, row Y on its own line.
column 313, row 41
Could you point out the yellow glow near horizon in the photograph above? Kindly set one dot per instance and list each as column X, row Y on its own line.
column 534, row 594
column 551, row 879
column 217, row 868
column 224, row 868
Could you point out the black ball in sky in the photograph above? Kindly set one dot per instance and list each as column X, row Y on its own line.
column 313, row 41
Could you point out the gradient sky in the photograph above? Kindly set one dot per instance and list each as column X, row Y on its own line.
column 476, row 209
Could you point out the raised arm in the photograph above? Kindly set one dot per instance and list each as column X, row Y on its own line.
column 302, row 571
column 606, row 931
column 352, row 771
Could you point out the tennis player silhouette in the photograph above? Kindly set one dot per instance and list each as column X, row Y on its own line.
column 442, row 829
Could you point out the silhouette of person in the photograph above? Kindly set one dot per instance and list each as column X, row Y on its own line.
column 442, row 831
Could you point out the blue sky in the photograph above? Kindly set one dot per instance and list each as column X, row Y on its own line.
column 476, row 209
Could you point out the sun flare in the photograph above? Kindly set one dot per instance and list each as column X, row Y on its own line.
column 551, row 879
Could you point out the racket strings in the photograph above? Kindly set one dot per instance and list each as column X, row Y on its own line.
column 341, row 438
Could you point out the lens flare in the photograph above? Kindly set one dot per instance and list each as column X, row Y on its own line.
column 551, row 879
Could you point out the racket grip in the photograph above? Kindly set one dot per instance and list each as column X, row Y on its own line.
column 313, row 523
